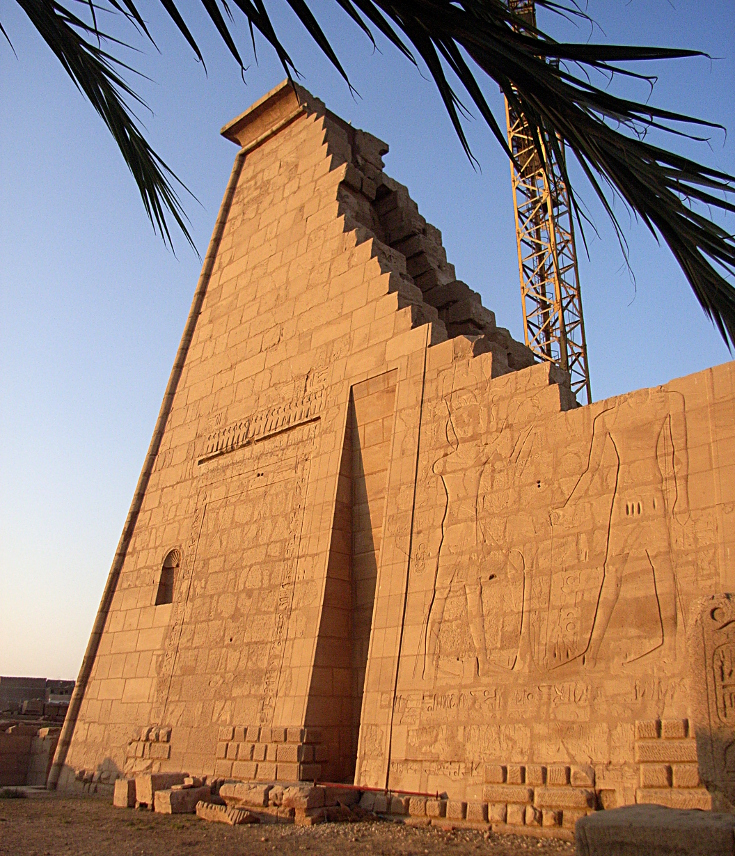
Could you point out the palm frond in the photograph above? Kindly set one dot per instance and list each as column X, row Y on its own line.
column 548, row 82
column 93, row 71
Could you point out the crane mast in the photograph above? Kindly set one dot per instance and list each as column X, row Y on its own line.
column 547, row 259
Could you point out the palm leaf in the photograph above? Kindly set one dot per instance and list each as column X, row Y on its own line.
column 548, row 82
column 93, row 71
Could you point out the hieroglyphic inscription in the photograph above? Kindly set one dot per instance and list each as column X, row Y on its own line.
column 723, row 668
column 177, row 614
column 711, row 643
column 284, row 600
column 302, row 409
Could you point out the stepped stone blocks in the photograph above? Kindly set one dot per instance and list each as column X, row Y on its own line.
column 373, row 542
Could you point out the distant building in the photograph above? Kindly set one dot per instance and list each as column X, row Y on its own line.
column 14, row 692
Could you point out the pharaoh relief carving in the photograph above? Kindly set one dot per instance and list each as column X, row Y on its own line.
column 639, row 449
column 528, row 571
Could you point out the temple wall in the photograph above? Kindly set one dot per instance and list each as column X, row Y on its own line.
column 378, row 543
column 555, row 556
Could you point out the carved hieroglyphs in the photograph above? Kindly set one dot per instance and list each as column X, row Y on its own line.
column 375, row 542
column 712, row 681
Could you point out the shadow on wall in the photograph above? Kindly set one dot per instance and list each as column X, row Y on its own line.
column 98, row 781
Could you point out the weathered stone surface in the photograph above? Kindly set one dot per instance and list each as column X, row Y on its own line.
column 685, row 798
column 655, row 831
column 124, row 795
column 410, row 559
column 147, row 785
column 711, row 643
column 244, row 793
column 224, row 814
column 564, row 798
column 182, row 801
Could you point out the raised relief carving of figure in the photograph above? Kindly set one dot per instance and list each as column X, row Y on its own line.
column 459, row 560
column 645, row 439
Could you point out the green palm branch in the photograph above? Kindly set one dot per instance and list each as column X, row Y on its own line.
column 549, row 82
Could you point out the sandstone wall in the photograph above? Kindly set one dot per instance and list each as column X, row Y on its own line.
column 378, row 541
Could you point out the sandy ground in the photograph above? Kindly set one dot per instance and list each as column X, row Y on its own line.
column 56, row 824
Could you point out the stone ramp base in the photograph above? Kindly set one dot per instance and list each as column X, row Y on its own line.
column 652, row 830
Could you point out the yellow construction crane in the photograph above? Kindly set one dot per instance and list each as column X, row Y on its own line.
column 547, row 258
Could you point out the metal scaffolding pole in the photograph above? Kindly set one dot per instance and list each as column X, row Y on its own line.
column 547, row 258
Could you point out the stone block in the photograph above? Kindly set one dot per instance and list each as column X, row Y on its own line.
column 570, row 817
column 647, row 729
column 655, row 776
column 309, row 772
column 516, row 774
column 684, row 798
column 160, row 751
column 303, row 797
column 288, row 752
column 533, row 816
column 245, row 770
column 295, row 735
column 515, row 815
column 225, row 733
column 224, row 814
column 494, row 774
column 147, row 784
column 399, row 805
column 182, row 801
column 456, row 809
column 245, row 751
column 477, row 812
column 685, row 776
column 252, row 735
column 497, row 812
column 312, row 735
column 287, row 771
column 436, row 808
column 582, row 776
column 278, row 735
column 557, row 774
column 335, row 795
column 124, row 795
column 416, row 806
column 507, row 794
column 266, row 771
column 243, row 793
column 551, row 817
column 673, row 729
column 381, row 803
column 564, row 798
column 223, row 769
column 665, row 751
column 535, row 774
column 655, row 831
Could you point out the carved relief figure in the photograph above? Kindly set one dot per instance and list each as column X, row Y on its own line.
column 646, row 434
column 459, row 560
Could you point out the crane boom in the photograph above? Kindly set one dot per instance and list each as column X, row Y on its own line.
column 547, row 258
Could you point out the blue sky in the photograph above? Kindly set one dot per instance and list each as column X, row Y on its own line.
column 92, row 304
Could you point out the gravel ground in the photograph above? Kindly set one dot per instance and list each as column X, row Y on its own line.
column 57, row 824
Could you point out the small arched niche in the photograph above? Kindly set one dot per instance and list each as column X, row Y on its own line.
column 165, row 593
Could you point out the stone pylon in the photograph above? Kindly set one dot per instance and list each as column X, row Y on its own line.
column 374, row 542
